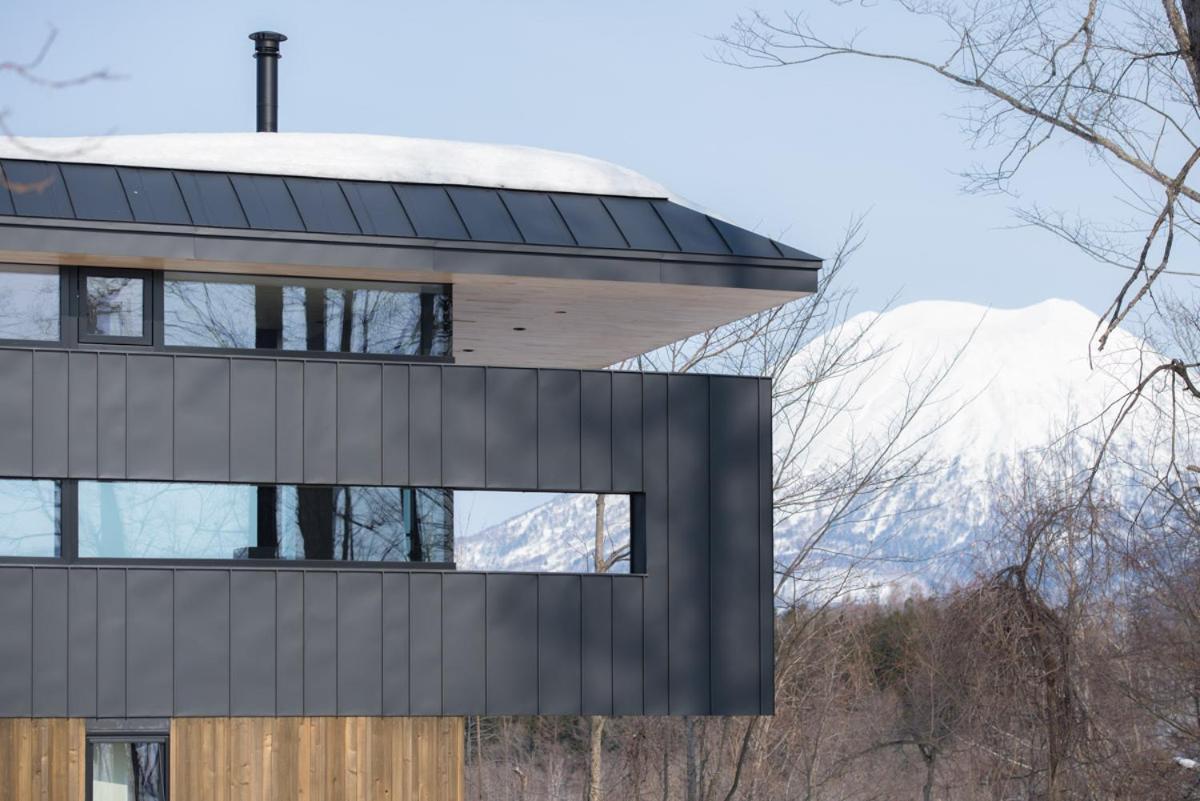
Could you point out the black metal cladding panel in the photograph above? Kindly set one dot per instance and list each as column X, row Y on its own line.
column 16, row 410
column 425, row 644
column 110, row 416
column 37, row 189
column 252, row 406
column 512, row 651
column 655, row 651
column 627, row 646
column 395, row 424
column 558, row 429
column 590, row 223
column 81, row 411
column 252, row 641
column 688, row 596
column 359, row 643
column 149, row 439
column 202, row 405
column 693, row 231
column 50, row 405
column 149, row 634
column 512, row 427
column 320, row 423
column 684, row 638
column 110, row 643
column 211, row 200
column 201, row 682
column 766, row 554
column 267, row 202
column 538, row 219
column 323, row 208
column 289, row 419
column 595, row 425
column 320, row 643
column 484, row 214
column 359, row 424
column 154, row 196
column 560, row 641
column 16, row 642
column 597, row 643
column 464, row 660
column 395, row 643
column 425, row 425
column 96, row 192
column 50, row 643
column 83, row 637
column 431, row 212
column 289, row 642
column 733, row 476
column 463, row 414
column 377, row 209
column 640, row 223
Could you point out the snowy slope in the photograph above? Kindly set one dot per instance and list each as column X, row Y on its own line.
column 1014, row 381
column 363, row 157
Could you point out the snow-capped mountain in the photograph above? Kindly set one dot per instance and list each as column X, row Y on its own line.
column 994, row 387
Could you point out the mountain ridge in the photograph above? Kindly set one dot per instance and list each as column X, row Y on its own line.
column 1003, row 385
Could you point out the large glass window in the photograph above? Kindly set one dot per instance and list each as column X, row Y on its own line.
column 29, row 518
column 122, row 770
column 248, row 312
column 29, row 303
column 113, row 306
column 146, row 520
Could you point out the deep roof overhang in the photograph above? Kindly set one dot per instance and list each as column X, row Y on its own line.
column 645, row 271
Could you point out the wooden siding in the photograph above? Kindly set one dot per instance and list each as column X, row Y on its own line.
column 42, row 759
column 317, row 759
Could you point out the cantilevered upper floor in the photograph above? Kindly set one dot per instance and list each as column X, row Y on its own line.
column 552, row 259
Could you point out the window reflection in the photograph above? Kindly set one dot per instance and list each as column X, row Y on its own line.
column 147, row 520
column 305, row 315
column 29, row 303
column 29, row 511
column 129, row 771
column 113, row 305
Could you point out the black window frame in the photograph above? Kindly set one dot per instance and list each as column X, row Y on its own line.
column 70, row 318
column 129, row 736
column 148, row 306
column 68, row 540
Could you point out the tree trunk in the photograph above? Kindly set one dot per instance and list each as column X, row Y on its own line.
column 693, row 775
column 930, row 773
column 596, row 728
column 595, row 789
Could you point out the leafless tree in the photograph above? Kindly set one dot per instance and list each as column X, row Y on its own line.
column 1120, row 80
column 33, row 71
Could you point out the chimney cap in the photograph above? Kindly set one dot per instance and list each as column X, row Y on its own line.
column 267, row 42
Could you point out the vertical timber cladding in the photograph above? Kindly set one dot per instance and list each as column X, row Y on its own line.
column 348, row 759
column 691, row 633
column 42, row 759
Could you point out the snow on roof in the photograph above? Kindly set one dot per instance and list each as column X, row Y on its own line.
column 350, row 156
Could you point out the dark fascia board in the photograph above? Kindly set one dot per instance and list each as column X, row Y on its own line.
column 439, row 258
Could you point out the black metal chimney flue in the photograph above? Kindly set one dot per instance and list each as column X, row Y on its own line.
column 266, row 53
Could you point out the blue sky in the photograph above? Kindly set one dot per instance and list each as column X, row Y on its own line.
column 793, row 153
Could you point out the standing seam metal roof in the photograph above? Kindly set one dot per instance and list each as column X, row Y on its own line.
column 350, row 207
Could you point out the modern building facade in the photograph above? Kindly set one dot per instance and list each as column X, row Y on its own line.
column 235, row 402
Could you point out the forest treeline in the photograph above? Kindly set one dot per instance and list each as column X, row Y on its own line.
column 1066, row 667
